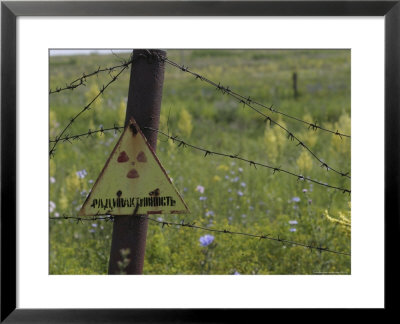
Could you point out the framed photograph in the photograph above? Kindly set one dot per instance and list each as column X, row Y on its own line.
column 269, row 109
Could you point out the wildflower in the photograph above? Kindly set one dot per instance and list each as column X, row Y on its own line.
column 236, row 273
column 304, row 190
column 52, row 180
column 83, row 193
column 92, row 230
column 210, row 213
column 293, row 222
column 206, row 240
column 296, row 199
column 200, row 189
column 236, row 179
column 216, row 178
column 81, row 174
column 240, row 170
column 90, row 181
column 52, row 206
column 223, row 167
column 292, row 230
column 251, row 207
column 232, row 172
column 185, row 189
column 94, row 225
column 309, row 201
column 227, row 177
column 160, row 219
column 243, row 184
column 56, row 214
column 240, row 194
column 244, row 215
column 203, row 198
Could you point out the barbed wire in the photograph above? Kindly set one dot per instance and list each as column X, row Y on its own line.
column 182, row 224
column 86, row 108
column 207, row 152
column 82, row 80
column 182, row 143
column 102, row 130
column 247, row 101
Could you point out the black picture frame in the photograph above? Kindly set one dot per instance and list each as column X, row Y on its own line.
column 10, row 10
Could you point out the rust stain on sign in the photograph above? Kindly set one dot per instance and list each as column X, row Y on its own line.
column 133, row 179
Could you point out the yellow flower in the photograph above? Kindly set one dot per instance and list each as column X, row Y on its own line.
column 223, row 167
column 185, row 123
column 304, row 161
column 216, row 178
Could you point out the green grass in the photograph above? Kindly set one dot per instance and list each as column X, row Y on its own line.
column 203, row 116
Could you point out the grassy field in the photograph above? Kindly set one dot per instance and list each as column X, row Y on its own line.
column 221, row 193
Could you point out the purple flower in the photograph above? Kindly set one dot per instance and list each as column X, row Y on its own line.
column 236, row 273
column 296, row 199
column 206, row 240
column 81, row 174
column 293, row 230
column 200, row 189
column 94, row 225
column 304, row 190
column 293, row 222
column 52, row 179
column 243, row 184
column 240, row 194
column 52, row 206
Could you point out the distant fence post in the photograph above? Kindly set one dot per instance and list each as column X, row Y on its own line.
column 144, row 105
column 295, row 91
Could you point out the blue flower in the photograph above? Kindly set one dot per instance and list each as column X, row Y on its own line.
column 52, row 179
column 206, row 240
column 243, row 184
column 293, row 222
column 81, row 174
column 203, row 198
column 236, row 273
column 296, row 199
column 210, row 213
column 236, row 179
column 293, row 230
column 94, row 225
column 240, row 193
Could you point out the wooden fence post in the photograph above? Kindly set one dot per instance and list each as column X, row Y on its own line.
column 144, row 105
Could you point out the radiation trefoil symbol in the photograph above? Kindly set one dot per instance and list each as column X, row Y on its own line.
column 133, row 181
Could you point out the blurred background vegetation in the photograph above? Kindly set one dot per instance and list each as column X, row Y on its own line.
column 221, row 193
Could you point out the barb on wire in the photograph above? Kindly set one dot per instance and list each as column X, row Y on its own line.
column 87, row 107
column 247, row 101
column 82, row 80
column 193, row 225
column 182, row 143
column 68, row 138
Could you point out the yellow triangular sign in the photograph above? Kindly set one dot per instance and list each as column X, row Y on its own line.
column 133, row 181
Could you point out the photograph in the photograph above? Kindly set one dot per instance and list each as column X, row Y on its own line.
column 199, row 161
